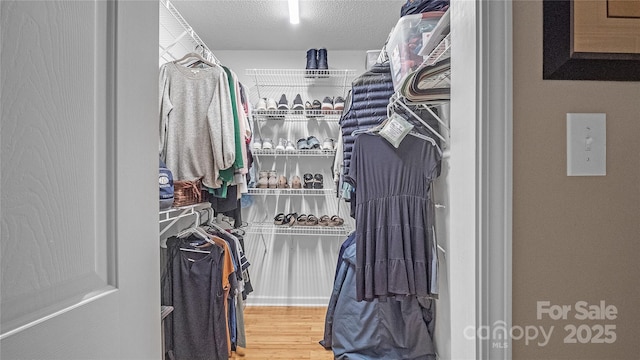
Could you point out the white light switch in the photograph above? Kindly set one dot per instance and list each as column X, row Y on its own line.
column 586, row 144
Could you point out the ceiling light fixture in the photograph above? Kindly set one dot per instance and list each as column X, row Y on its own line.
column 294, row 12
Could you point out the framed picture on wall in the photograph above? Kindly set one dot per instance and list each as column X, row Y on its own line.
column 591, row 40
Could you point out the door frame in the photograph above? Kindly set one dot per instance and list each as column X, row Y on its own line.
column 480, row 249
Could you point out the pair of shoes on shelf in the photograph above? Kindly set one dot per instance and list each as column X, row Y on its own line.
column 316, row 105
column 282, row 219
column 267, row 179
column 307, row 220
column 309, row 143
column 266, row 104
column 334, row 220
column 285, row 145
column 266, row 144
column 328, row 144
column 296, row 106
column 331, row 104
column 313, row 181
column 317, row 59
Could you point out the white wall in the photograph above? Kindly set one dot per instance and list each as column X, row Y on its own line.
column 295, row 270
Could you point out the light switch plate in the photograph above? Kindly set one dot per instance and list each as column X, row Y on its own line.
column 586, row 144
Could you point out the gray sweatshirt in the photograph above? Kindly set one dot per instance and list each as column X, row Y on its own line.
column 196, row 122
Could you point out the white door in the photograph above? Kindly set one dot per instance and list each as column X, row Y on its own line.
column 79, row 236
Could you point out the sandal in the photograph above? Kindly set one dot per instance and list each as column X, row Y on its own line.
column 279, row 219
column 318, row 181
column 302, row 219
column 324, row 220
column 308, row 181
column 312, row 220
column 290, row 219
column 336, row 221
column 296, row 183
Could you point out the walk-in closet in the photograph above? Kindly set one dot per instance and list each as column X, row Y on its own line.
column 333, row 179
column 319, row 124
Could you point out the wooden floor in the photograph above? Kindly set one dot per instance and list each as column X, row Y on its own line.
column 290, row 333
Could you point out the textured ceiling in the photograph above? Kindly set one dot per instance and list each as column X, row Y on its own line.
column 264, row 25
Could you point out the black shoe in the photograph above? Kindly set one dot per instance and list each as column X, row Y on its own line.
column 283, row 104
column 308, row 181
column 318, row 181
column 312, row 59
column 323, row 63
column 297, row 107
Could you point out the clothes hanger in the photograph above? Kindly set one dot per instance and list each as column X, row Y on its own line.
column 397, row 100
column 371, row 130
column 196, row 231
column 217, row 227
column 193, row 55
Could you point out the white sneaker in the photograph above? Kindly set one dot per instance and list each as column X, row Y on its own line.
column 327, row 144
column 281, row 144
column 261, row 105
column 289, row 146
column 271, row 105
column 257, row 144
column 267, row 144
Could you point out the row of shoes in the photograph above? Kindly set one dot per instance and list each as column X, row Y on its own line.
column 308, row 143
column 327, row 104
column 269, row 179
column 307, row 220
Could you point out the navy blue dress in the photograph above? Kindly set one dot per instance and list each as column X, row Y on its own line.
column 394, row 219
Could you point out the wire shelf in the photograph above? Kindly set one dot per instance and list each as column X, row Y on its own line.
column 175, row 20
column 300, row 77
column 441, row 52
column 178, row 212
column 261, row 228
column 167, row 218
column 292, row 192
column 298, row 116
column 296, row 153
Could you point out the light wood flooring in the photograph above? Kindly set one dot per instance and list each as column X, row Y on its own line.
column 290, row 333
